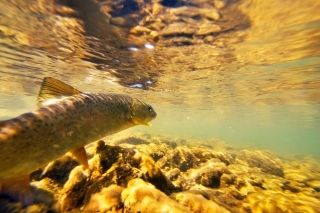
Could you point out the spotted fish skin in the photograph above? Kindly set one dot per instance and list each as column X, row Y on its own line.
column 33, row 139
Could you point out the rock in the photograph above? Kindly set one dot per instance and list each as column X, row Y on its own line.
column 178, row 41
column 139, row 30
column 190, row 21
column 141, row 196
column 247, row 189
column 209, row 174
column 108, row 199
column 156, row 151
column 210, row 13
column 157, row 26
column 208, row 28
column 156, row 8
column 314, row 184
column 258, row 183
column 185, row 158
column 133, row 139
column 34, row 209
column 291, row 186
column 154, row 35
column 122, row 21
column 197, row 203
column 60, row 169
column 198, row 3
column 271, row 201
column 219, row 4
column 119, row 21
column 178, row 28
column 151, row 19
column 261, row 160
column 226, row 180
column 302, row 172
column 151, row 172
column 209, row 39
column 119, row 166
column 173, row 174
column 236, row 194
column 227, row 198
column 185, row 11
column 74, row 190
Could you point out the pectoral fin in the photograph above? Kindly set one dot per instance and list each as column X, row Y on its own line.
column 17, row 189
column 81, row 156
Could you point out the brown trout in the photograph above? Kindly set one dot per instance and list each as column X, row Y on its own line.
column 66, row 120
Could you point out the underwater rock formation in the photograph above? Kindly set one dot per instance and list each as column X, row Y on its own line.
column 142, row 173
column 263, row 160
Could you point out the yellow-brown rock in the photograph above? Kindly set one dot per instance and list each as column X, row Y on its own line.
column 107, row 200
column 141, row 196
column 198, row 204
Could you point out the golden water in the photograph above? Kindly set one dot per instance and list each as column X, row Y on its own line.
column 260, row 88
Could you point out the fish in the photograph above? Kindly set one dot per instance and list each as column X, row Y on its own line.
column 65, row 121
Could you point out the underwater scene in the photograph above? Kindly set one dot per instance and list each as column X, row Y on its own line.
column 162, row 106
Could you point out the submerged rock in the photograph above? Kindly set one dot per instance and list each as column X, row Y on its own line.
column 147, row 174
column 185, row 158
column 198, row 204
column 265, row 161
column 107, row 200
column 141, row 196
column 270, row 201
column 179, row 28
column 208, row 28
column 209, row 174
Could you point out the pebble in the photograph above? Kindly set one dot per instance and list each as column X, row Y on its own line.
column 209, row 39
column 178, row 28
column 185, row 11
column 157, row 26
column 140, row 29
column 154, row 35
column 219, row 4
column 173, row 174
column 156, row 8
column 33, row 209
column 210, row 13
column 208, row 28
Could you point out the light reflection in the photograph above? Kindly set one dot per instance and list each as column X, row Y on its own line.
column 149, row 46
column 133, row 48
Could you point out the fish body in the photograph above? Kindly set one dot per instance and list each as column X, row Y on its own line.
column 33, row 139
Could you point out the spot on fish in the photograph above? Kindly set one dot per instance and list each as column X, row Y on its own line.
column 70, row 133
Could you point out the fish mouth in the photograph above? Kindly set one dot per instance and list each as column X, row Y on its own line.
column 153, row 115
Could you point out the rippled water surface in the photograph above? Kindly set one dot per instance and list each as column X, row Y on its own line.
column 255, row 84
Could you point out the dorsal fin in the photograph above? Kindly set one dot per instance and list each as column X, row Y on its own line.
column 53, row 88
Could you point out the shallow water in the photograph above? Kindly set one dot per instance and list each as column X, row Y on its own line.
column 257, row 86
column 219, row 96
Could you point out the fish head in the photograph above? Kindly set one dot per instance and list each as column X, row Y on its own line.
column 142, row 113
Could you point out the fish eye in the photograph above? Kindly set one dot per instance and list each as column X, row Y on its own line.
column 150, row 109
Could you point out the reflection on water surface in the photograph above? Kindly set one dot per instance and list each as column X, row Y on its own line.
column 260, row 58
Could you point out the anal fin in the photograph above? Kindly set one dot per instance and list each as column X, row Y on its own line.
column 81, row 156
column 17, row 189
